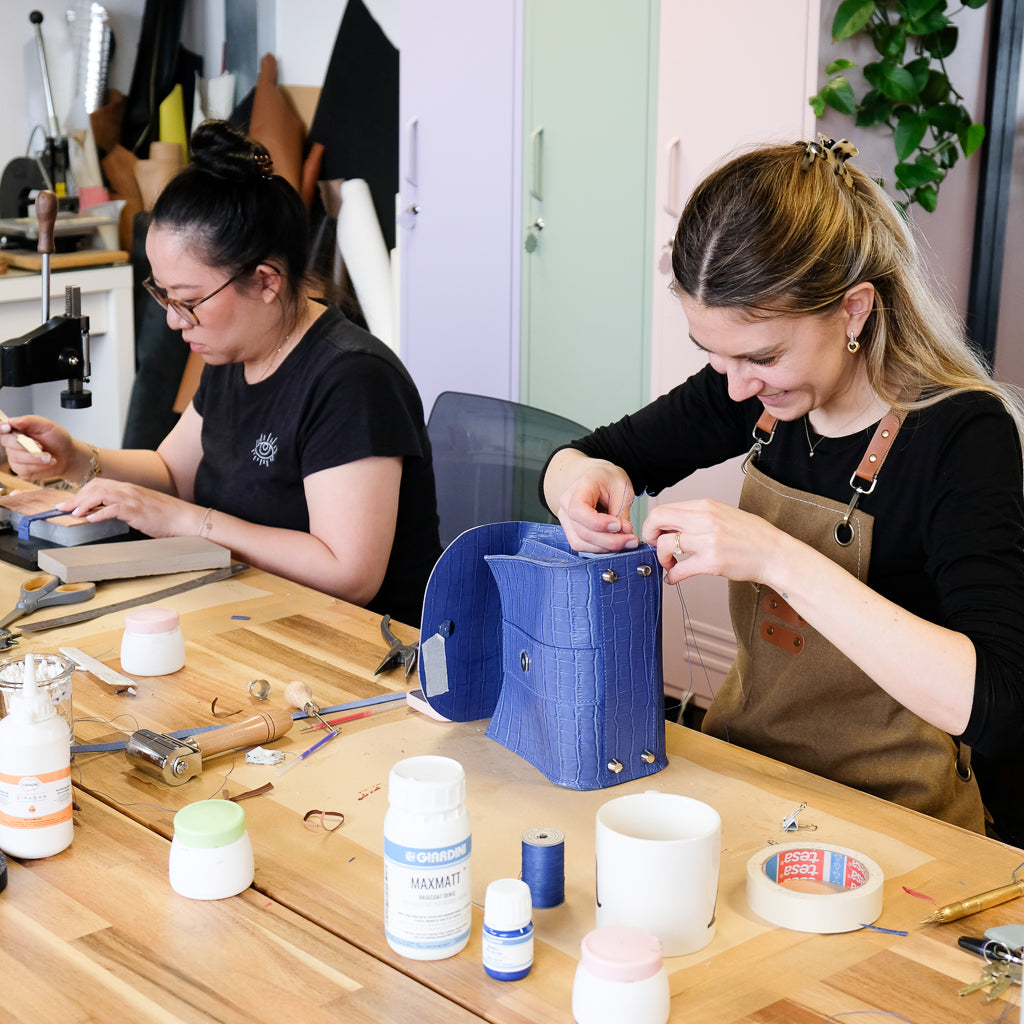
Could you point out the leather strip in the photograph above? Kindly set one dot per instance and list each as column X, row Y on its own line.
column 881, row 441
column 786, row 639
column 772, row 604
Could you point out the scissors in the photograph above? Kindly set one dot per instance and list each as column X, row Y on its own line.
column 42, row 591
column 398, row 653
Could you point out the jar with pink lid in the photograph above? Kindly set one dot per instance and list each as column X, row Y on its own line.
column 152, row 644
column 620, row 978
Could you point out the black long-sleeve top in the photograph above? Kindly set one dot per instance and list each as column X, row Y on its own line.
column 948, row 540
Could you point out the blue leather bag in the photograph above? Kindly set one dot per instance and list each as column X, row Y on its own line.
column 561, row 651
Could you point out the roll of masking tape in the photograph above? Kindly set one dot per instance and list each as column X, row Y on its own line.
column 814, row 887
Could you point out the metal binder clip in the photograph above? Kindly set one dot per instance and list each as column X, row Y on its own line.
column 789, row 823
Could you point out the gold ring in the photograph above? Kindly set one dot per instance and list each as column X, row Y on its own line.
column 678, row 553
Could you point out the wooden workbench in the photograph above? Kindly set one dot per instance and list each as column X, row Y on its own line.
column 314, row 916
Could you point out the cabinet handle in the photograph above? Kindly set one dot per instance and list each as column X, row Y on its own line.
column 672, row 188
column 537, row 140
column 412, row 156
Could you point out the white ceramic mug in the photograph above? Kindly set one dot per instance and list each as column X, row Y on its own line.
column 657, row 867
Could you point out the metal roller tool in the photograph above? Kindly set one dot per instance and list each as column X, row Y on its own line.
column 175, row 760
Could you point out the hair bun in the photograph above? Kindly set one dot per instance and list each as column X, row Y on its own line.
column 223, row 151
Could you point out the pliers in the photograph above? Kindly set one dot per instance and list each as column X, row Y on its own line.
column 398, row 653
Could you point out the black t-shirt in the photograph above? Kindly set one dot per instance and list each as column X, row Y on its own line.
column 340, row 395
column 948, row 539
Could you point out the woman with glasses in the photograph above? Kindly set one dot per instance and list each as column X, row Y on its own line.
column 304, row 449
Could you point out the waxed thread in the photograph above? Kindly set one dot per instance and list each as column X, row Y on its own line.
column 543, row 866
column 692, row 642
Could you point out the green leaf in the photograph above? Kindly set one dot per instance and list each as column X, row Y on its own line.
column 936, row 89
column 972, row 138
column 874, row 74
column 910, row 130
column 913, row 9
column 921, row 172
column 851, row 17
column 898, row 84
column 927, row 198
column 934, row 22
column 839, row 65
column 890, row 40
column 942, row 43
column 874, row 109
column 947, row 117
column 919, row 71
column 838, row 94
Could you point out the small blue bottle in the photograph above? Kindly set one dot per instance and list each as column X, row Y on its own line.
column 508, row 930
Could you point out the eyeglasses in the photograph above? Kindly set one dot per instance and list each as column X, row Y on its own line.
column 185, row 310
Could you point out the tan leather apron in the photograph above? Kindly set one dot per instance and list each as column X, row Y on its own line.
column 795, row 697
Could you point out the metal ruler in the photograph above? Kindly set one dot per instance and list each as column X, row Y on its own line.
column 134, row 602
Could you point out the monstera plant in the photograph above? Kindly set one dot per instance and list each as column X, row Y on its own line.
column 908, row 89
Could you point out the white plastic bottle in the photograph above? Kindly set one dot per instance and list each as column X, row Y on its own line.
column 428, row 910
column 507, row 940
column 35, row 774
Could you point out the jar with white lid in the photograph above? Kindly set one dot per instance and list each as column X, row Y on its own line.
column 152, row 644
column 507, row 942
column 620, row 977
column 211, row 853
column 428, row 904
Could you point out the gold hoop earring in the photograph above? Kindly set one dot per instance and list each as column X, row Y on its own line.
column 853, row 345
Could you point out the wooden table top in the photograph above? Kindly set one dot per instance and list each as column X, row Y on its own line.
column 325, row 891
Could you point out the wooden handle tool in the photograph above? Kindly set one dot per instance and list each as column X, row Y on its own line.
column 301, row 696
column 259, row 728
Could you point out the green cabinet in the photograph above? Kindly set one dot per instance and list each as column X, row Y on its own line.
column 588, row 121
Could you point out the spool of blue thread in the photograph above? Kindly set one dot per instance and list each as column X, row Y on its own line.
column 544, row 866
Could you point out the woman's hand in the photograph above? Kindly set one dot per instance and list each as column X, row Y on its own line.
column 60, row 457
column 715, row 539
column 592, row 499
column 151, row 512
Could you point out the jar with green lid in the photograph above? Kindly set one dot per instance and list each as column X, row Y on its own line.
column 211, row 855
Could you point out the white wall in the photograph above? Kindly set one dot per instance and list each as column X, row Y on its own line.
column 24, row 103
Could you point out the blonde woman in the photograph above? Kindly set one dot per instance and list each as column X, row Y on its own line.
column 876, row 560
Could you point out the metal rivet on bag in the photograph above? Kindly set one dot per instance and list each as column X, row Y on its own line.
column 524, row 660
column 446, row 627
column 643, row 570
column 647, row 757
column 615, row 766
column 797, row 642
column 609, row 575
column 770, row 630
column 773, row 604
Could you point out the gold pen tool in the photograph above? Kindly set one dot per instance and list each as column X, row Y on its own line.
column 975, row 904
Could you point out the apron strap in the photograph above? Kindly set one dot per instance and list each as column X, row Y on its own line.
column 865, row 476
column 885, row 433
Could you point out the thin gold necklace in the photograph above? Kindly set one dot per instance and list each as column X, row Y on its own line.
column 811, row 446
column 273, row 359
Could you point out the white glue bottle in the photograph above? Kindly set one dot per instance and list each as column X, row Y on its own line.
column 428, row 909
column 35, row 773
